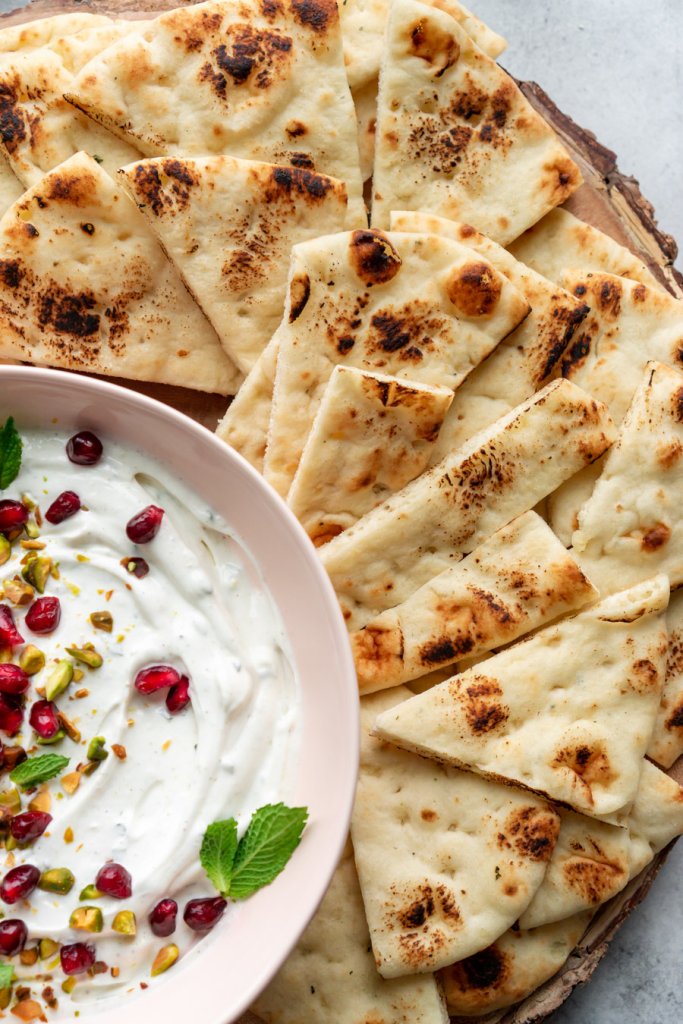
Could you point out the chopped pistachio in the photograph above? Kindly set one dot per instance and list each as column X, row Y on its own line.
column 83, row 692
column 69, row 984
column 78, row 675
column 42, row 801
column 29, row 957
column 96, row 749
column 5, row 996
column 68, row 835
column 70, row 784
column 124, row 923
column 5, row 549
column 119, row 751
column 17, row 591
column 11, row 843
column 32, row 660
column 47, row 948
column 91, row 892
column 47, row 741
column 89, row 767
column 87, row 655
column 36, row 572
column 164, row 959
column 69, row 727
column 59, row 880
column 32, row 532
column 87, row 919
column 11, row 800
column 59, row 679
column 102, row 620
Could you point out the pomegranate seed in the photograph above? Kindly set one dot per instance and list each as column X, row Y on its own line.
column 135, row 565
column 9, row 634
column 44, row 719
column 44, row 614
column 29, row 825
column 144, row 526
column 63, row 507
column 84, row 448
column 77, row 957
column 178, row 697
column 11, row 713
column 13, row 515
column 19, row 883
column 156, row 677
column 114, row 880
column 202, row 915
column 12, row 679
column 2, row 755
column 162, row 917
column 13, row 936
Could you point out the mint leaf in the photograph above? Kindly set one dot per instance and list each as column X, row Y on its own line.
column 10, row 453
column 38, row 769
column 273, row 835
column 217, row 854
column 6, row 975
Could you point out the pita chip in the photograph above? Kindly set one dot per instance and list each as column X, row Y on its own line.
column 446, row 860
column 228, row 225
column 519, row 579
column 568, row 712
column 372, row 434
column 666, row 745
column 447, row 512
column 84, row 285
column 332, row 971
column 418, row 307
column 245, row 425
column 456, row 137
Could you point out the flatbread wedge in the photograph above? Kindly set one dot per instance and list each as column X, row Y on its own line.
column 84, row 285
column 372, row 435
column 666, row 744
column 49, row 32
column 456, row 137
column 228, row 225
column 446, row 860
column 10, row 186
column 245, row 424
column 568, row 712
column 519, row 579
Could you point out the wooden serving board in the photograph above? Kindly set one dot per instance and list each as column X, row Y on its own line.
column 610, row 201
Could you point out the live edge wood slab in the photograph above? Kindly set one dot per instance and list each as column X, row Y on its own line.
column 610, row 201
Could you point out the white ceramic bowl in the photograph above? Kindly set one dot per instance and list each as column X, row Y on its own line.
column 221, row 976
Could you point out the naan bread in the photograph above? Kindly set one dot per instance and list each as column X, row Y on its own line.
column 245, row 425
column 228, row 225
column 666, row 744
column 446, row 860
column 365, row 105
column 418, row 307
column 448, row 511
column 568, row 712
column 84, row 285
column 331, row 974
column 525, row 360
column 10, row 186
column 519, row 579
column 49, row 32
column 561, row 240
column 456, row 137
column 371, row 436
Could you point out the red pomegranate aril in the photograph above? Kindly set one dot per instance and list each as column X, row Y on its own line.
column 66, row 505
column 84, row 448
column 9, row 634
column 13, row 936
column 113, row 880
column 178, row 697
column 156, row 677
column 202, row 915
column 19, row 883
column 77, row 958
column 11, row 713
column 162, row 918
column 12, row 679
column 29, row 825
column 44, row 719
column 13, row 515
column 43, row 616
column 144, row 526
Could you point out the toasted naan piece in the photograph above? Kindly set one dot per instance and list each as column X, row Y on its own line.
column 245, row 425
column 49, row 32
column 419, row 307
column 525, row 360
column 447, row 512
column 10, row 186
column 261, row 81
column 446, row 860
column 519, row 579
column 666, row 745
column 513, row 967
column 84, row 285
column 568, row 712
column 77, row 48
column 371, row 436
column 631, row 527
column 593, row 861
column 229, row 225
column 561, row 240
column 456, row 137
column 331, row 973
column 365, row 104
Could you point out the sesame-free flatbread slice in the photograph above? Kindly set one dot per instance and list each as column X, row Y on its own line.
column 245, row 425
column 519, row 579
column 497, row 475
column 456, row 137
column 85, row 286
column 331, row 973
column 561, row 240
column 371, row 436
column 524, row 361
column 10, row 186
column 228, row 225
column 666, row 745
column 568, row 712
column 418, row 307
column 446, row 860
column 49, row 32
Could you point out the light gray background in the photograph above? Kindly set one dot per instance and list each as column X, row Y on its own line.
column 615, row 66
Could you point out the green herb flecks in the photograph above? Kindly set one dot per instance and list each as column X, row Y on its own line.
column 10, row 453
column 38, row 769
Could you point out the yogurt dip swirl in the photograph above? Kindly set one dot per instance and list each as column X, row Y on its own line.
column 203, row 610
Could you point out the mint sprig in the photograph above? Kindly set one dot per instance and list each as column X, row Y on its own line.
column 6, row 975
column 38, row 769
column 240, row 869
column 10, row 453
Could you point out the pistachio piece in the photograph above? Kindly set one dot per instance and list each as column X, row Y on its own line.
column 58, row 680
column 36, row 571
column 102, row 620
column 69, row 727
column 89, row 767
column 124, row 923
column 96, row 749
column 17, row 591
column 119, row 751
column 91, row 892
column 87, row 655
column 86, row 919
column 5, row 549
column 29, row 957
column 59, row 880
column 5, row 655
column 47, row 948
column 5, row 996
column 164, row 959
column 78, row 675
column 70, row 782
column 32, row 530
column 69, row 984
column 42, row 801
column 43, row 741
column 32, row 660
column 10, row 800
